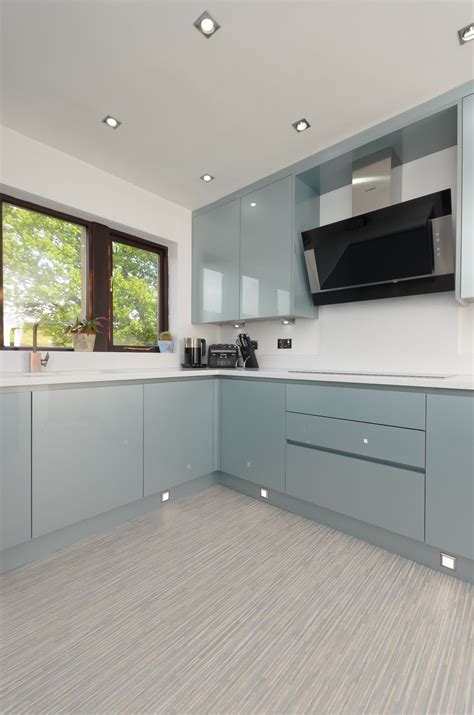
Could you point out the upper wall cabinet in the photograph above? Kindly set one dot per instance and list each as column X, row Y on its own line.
column 248, row 258
column 266, row 225
column 465, row 287
column 216, row 253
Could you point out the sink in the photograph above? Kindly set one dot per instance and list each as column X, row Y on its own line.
column 417, row 375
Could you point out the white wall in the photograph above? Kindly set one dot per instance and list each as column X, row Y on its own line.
column 417, row 333
column 32, row 170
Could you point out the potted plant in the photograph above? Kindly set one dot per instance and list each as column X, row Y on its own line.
column 83, row 333
column 165, row 342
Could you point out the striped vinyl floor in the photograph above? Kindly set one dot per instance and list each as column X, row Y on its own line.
column 223, row 604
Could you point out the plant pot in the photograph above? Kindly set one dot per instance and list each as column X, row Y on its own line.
column 83, row 342
column 166, row 346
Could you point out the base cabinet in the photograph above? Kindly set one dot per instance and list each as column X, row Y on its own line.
column 253, row 431
column 87, row 453
column 15, row 468
column 450, row 473
column 178, row 433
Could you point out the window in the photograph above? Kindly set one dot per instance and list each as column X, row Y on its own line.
column 54, row 268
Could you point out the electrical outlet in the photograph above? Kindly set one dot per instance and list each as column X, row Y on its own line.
column 284, row 343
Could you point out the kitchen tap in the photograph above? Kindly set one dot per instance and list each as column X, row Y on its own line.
column 36, row 361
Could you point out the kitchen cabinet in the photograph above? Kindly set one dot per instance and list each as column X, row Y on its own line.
column 178, row 433
column 87, row 453
column 15, row 468
column 266, row 234
column 216, row 249
column 465, row 286
column 253, row 431
column 450, row 473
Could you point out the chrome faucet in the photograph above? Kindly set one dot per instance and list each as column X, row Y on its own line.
column 35, row 363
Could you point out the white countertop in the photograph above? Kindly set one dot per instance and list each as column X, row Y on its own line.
column 46, row 378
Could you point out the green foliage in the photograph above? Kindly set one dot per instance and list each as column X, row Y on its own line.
column 44, row 265
column 135, row 295
column 83, row 325
column 41, row 274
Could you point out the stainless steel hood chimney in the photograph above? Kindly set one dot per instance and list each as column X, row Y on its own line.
column 372, row 187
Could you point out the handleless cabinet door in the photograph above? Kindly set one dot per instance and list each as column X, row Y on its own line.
column 15, row 468
column 466, row 233
column 450, row 473
column 266, row 240
column 87, row 453
column 253, row 431
column 216, row 249
column 179, row 432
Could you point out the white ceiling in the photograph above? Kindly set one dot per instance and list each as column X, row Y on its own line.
column 222, row 105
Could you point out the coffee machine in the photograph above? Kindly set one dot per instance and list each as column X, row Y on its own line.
column 194, row 351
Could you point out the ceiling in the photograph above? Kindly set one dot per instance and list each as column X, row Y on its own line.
column 223, row 105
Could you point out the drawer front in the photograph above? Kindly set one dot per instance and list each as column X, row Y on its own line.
column 385, row 407
column 391, row 444
column 389, row 497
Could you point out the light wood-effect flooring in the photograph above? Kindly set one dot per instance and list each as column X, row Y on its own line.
column 223, row 604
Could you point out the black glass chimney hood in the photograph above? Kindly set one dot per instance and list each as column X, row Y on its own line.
column 404, row 249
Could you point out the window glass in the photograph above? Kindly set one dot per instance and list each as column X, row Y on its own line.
column 135, row 291
column 44, row 276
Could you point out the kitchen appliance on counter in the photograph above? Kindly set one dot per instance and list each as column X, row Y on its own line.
column 194, row 351
column 247, row 350
column 222, row 355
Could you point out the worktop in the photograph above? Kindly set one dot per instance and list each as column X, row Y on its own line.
column 80, row 377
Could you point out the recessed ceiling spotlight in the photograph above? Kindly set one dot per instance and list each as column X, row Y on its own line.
column 111, row 122
column 301, row 125
column 207, row 178
column 253, row 203
column 206, row 24
column 466, row 33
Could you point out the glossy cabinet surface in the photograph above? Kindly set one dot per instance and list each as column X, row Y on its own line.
column 15, row 468
column 253, row 431
column 389, row 497
column 87, row 453
column 388, row 444
column 385, row 407
column 266, row 244
column 450, row 473
column 178, row 433
column 216, row 251
column 467, row 199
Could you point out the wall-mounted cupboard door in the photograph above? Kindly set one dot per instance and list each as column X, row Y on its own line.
column 266, row 247
column 87, row 453
column 450, row 473
column 15, row 468
column 178, row 432
column 253, row 431
column 216, row 248
column 466, row 232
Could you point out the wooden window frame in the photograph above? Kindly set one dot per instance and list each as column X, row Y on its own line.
column 99, row 259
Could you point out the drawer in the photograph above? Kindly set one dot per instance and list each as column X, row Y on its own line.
column 385, row 407
column 391, row 444
column 389, row 497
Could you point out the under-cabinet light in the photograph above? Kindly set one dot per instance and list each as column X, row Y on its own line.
column 239, row 326
column 449, row 562
column 111, row 122
column 466, row 34
column 288, row 321
column 206, row 24
column 264, row 493
column 165, row 496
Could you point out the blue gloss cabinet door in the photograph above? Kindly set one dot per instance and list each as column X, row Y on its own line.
column 450, row 473
column 467, row 199
column 216, row 250
column 266, row 247
column 179, row 432
column 87, row 453
column 253, row 431
column 15, row 468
